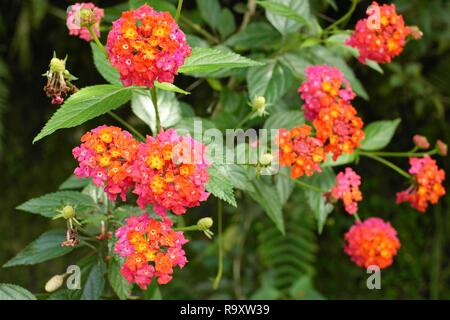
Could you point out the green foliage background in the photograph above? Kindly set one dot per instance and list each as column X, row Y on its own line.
column 259, row 263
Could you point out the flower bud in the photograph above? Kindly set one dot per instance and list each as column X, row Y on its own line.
column 259, row 105
column 54, row 283
column 415, row 32
column 205, row 223
column 57, row 65
column 87, row 17
column 421, row 141
column 266, row 159
column 442, row 148
column 68, row 212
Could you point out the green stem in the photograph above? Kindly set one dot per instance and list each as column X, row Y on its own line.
column 189, row 228
column 177, row 14
column 220, row 240
column 386, row 163
column 246, row 118
column 304, row 184
column 97, row 41
column 155, row 104
column 400, row 154
column 343, row 19
column 127, row 125
column 199, row 29
column 356, row 216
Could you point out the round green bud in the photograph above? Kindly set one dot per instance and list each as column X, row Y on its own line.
column 266, row 159
column 68, row 212
column 205, row 223
column 57, row 65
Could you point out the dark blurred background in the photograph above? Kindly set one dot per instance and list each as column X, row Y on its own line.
column 415, row 87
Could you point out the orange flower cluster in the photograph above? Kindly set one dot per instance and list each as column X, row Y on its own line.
column 300, row 150
column 339, row 128
column 106, row 155
column 372, row 242
column 427, row 184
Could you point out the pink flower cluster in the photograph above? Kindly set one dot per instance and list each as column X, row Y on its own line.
column 170, row 173
column 145, row 46
column 151, row 249
column 82, row 15
column 372, row 242
column 347, row 189
column 323, row 87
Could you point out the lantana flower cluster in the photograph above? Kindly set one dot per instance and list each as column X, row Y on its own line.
column 427, row 184
column 106, row 155
column 170, row 173
column 82, row 16
column 299, row 150
column 146, row 46
column 382, row 42
column 324, row 86
column 337, row 128
column 347, row 189
column 372, row 242
column 151, row 248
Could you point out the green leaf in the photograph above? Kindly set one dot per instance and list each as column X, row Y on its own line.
column 205, row 60
column 86, row 104
column 226, row 25
column 95, row 283
column 46, row 247
column 187, row 125
column 267, row 196
column 47, row 205
column 210, row 12
column 284, row 119
column 12, row 292
column 168, row 107
column 378, row 134
column 316, row 201
column 104, row 67
column 287, row 15
column 73, row 182
column 271, row 81
column 167, row 86
column 220, row 186
column 153, row 292
column 303, row 289
column 119, row 284
column 257, row 35
column 285, row 185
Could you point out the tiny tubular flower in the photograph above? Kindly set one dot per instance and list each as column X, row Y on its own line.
column 347, row 189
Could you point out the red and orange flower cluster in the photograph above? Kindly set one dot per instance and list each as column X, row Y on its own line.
column 106, row 155
column 381, row 36
column 151, row 250
column 146, row 46
column 338, row 129
column 427, row 184
column 170, row 173
column 372, row 242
